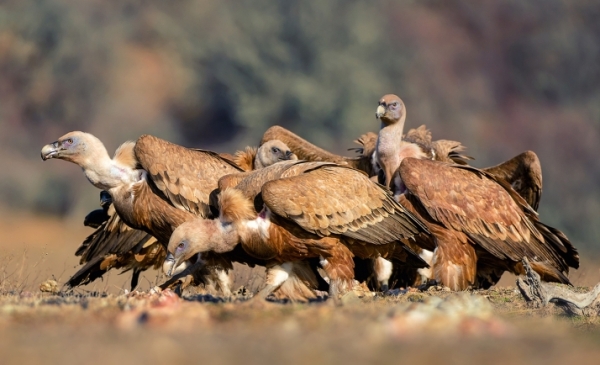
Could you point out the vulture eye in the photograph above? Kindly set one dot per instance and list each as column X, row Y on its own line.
column 68, row 141
column 275, row 150
column 395, row 103
column 180, row 246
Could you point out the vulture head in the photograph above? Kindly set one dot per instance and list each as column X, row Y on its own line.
column 391, row 109
column 272, row 152
column 75, row 147
column 195, row 237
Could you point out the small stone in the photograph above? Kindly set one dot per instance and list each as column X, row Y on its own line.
column 49, row 286
column 350, row 298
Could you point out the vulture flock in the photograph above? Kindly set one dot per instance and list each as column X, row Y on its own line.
column 407, row 211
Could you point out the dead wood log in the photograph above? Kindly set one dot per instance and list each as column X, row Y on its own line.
column 539, row 294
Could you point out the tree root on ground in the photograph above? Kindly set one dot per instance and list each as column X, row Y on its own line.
column 539, row 294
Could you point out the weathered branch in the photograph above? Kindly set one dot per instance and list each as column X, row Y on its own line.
column 539, row 294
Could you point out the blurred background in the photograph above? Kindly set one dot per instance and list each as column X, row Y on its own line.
column 502, row 77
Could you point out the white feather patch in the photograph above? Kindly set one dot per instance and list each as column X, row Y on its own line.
column 384, row 269
column 260, row 225
column 278, row 274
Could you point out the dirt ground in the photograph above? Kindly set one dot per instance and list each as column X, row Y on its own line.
column 102, row 323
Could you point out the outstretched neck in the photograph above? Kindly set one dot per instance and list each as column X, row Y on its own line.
column 105, row 173
column 388, row 144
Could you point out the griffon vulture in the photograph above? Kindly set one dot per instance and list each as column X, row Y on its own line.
column 481, row 226
column 155, row 186
column 253, row 158
column 293, row 211
column 523, row 172
column 442, row 150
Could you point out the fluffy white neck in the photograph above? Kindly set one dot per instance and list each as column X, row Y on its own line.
column 105, row 173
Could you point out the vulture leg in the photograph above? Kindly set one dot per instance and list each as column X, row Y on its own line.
column 276, row 276
column 322, row 285
column 383, row 271
column 426, row 272
column 340, row 270
column 221, row 280
column 454, row 263
column 301, row 283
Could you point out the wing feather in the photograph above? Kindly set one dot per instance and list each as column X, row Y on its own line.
column 185, row 176
column 310, row 152
column 111, row 245
column 524, row 173
column 331, row 199
column 486, row 209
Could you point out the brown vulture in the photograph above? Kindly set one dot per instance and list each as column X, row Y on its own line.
column 523, row 172
column 480, row 226
column 293, row 211
column 155, row 186
column 442, row 150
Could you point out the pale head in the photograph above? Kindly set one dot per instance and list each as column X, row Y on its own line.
column 271, row 152
column 196, row 237
column 76, row 147
column 391, row 109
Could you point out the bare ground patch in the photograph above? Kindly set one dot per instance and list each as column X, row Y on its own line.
column 101, row 323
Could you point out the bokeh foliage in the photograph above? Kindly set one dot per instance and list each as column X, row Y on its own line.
column 500, row 76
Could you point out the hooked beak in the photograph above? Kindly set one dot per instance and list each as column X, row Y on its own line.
column 289, row 155
column 50, row 151
column 169, row 265
column 173, row 266
column 380, row 112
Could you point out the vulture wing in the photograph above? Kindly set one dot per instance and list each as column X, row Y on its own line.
column 330, row 199
column 524, row 173
column 368, row 144
column 185, row 176
column 469, row 200
column 309, row 152
column 115, row 245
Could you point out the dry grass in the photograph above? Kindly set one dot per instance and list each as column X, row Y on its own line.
column 102, row 324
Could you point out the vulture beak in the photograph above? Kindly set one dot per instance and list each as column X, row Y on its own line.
column 288, row 156
column 380, row 111
column 174, row 266
column 105, row 198
column 50, row 151
column 169, row 265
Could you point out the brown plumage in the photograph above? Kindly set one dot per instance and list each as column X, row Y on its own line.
column 309, row 152
column 406, row 273
column 253, row 158
column 524, row 173
column 114, row 245
column 305, row 209
column 481, row 226
column 155, row 186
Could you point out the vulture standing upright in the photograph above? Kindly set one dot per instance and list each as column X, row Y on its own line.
column 293, row 211
column 155, row 186
column 480, row 225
